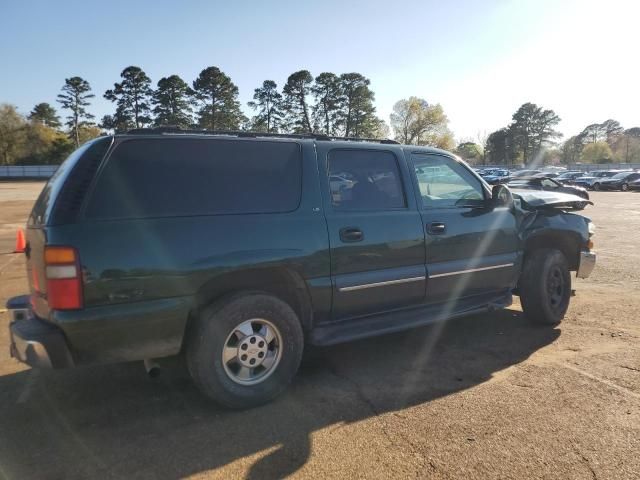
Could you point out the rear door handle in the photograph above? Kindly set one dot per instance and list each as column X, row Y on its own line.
column 351, row 234
column 436, row 228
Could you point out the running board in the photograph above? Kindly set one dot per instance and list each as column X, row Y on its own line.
column 399, row 320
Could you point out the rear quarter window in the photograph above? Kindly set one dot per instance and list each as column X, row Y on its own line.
column 63, row 193
column 146, row 178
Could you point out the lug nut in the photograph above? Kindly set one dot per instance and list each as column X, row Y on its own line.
column 252, row 361
column 244, row 346
column 253, row 340
column 261, row 344
column 261, row 354
column 244, row 357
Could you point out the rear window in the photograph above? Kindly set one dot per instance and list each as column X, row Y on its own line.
column 178, row 177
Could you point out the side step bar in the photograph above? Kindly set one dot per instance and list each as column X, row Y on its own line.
column 399, row 320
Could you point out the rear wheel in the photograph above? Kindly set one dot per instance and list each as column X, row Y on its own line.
column 545, row 286
column 244, row 351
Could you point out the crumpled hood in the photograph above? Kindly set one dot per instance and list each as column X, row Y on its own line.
column 545, row 199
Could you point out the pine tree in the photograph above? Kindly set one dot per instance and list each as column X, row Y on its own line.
column 75, row 97
column 172, row 102
column 267, row 101
column 296, row 91
column 357, row 112
column 218, row 97
column 46, row 115
column 132, row 97
column 327, row 95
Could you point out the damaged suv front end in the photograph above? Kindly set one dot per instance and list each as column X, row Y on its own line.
column 547, row 218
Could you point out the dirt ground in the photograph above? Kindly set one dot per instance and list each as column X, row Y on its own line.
column 488, row 396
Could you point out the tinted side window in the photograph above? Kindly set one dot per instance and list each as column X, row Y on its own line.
column 365, row 180
column 168, row 177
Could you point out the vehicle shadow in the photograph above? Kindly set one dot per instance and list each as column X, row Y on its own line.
column 112, row 421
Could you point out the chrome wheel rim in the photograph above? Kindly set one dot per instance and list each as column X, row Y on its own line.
column 252, row 351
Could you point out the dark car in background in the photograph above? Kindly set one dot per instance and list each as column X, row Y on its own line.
column 593, row 180
column 545, row 175
column 495, row 176
column 548, row 184
column 567, row 178
column 619, row 181
column 524, row 173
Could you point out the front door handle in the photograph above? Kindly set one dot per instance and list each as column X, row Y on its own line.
column 351, row 234
column 436, row 228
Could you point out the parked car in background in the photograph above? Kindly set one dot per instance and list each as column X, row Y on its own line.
column 568, row 177
column 555, row 169
column 495, row 176
column 619, row 181
column 593, row 180
column 524, row 173
column 547, row 184
column 635, row 185
column 546, row 175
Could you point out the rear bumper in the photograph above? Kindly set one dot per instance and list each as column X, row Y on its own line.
column 587, row 264
column 34, row 342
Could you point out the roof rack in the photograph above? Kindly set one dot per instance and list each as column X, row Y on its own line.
column 249, row 134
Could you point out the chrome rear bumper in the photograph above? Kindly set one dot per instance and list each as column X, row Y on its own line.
column 33, row 341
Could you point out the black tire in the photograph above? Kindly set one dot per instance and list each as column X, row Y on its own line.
column 545, row 286
column 210, row 333
column 596, row 187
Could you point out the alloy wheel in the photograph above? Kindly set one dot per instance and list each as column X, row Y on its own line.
column 252, row 351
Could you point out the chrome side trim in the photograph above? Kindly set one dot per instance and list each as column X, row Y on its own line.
column 381, row 284
column 471, row 270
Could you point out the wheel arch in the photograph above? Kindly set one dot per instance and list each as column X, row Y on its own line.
column 282, row 282
column 567, row 242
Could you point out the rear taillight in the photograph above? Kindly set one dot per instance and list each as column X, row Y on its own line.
column 64, row 282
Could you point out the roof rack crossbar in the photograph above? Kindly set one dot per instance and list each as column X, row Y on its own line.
column 251, row 134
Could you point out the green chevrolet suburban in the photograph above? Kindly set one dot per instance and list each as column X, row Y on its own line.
column 238, row 249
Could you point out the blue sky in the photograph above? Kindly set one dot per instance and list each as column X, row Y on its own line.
column 480, row 60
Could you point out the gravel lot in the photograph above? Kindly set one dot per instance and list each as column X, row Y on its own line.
column 488, row 396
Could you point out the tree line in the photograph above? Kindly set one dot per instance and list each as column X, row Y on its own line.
column 531, row 139
column 340, row 105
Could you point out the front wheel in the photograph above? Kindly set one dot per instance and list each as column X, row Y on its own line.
column 596, row 187
column 624, row 187
column 244, row 351
column 545, row 286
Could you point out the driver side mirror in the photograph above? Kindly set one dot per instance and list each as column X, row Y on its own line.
column 501, row 196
